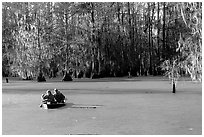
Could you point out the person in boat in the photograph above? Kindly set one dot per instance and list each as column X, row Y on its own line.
column 48, row 97
column 59, row 97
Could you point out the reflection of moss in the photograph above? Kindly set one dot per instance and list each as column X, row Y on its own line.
column 67, row 77
column 95, row 76
column 40, row 77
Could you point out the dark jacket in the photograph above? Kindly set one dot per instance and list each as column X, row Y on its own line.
column 59, row 97
column 48, row 98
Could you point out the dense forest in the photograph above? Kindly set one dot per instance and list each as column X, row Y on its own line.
column 101, row 39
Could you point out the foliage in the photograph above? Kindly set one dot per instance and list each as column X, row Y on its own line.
column 99, row 39
column 190, row 46
column 172, row 69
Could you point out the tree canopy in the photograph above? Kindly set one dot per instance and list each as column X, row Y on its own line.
column 100, row 39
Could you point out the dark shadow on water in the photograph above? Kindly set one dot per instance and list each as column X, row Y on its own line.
column 78, row 106
column 84, row 134
column 68, row 105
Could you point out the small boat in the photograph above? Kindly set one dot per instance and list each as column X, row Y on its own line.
column 52, row 106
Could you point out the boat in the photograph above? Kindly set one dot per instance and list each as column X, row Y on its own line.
column 52, row 106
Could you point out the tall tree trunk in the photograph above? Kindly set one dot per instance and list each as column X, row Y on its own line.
column 131, row 50
column 99, row 54
column 150, row 43
column 164, row 43
column 158, row 22
column 67, row 40
column 66, row 76
column 39, row 47
column 93, row 69
column 40, row 77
